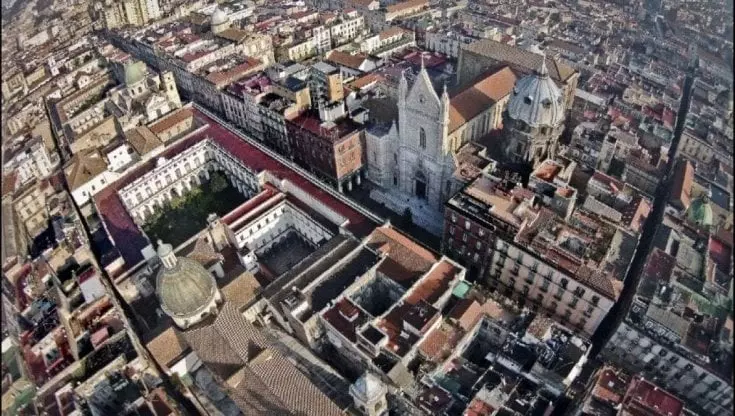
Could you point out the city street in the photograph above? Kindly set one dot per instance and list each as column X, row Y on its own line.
column 618, row 312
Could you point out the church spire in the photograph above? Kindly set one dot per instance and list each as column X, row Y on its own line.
column 402, row 87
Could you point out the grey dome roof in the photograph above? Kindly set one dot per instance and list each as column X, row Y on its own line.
column 368, row 387
column 186, row 289
column 536, row 100
column 219, row 17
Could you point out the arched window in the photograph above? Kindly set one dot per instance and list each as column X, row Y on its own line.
column 422, row 138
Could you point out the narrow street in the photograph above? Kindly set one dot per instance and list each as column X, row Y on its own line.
column 618, row 312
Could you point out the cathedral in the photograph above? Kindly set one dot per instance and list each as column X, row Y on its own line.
column 432, row 151
column 415, row 161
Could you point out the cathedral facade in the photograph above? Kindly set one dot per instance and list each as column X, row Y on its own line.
column 415, row 160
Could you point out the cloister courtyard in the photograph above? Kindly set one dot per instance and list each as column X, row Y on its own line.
column 185, row 215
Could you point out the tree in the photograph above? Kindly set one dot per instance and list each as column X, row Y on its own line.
column 218, row 183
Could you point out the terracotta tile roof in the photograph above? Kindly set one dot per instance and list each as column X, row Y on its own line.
column 234, row 34
column 398, row 7
column 479, row 97
column 171, row 120
column 609, row 387
column 221, row 79
column 434, row 285
column 84, row 167
column 651, row 398
column 392, row 31
column 518, row 58
column 143, row 140
column 9, row 183
column 467, row 312
column 438, row 343
column 242, row 290
column 337, row 317
column 681, row 187
column 204, row 253
column 478, row 407
column 659, row 265
column 366, row 80
column 406, row 260
column 298, row 394
column 345, row 59
column 167, row 347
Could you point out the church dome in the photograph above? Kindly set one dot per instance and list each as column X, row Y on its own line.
column 134, row 73
column 537, row 100
column 184, row 287
column 219, row 17
column 368, row 388
column 700, row 212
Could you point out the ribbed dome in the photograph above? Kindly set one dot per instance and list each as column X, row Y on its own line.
column 184, row 287
column 368, row 388
column 219, row 17
column 536, row 100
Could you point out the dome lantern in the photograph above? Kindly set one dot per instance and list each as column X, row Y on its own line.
column 166, row 254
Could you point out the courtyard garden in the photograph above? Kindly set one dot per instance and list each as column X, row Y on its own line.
column 186, row 215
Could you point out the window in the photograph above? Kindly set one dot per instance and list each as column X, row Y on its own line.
column 564, row 283
column 395, row 180
column 422, row 138
column 464, row 237
column 544, row 285
column 481, row 232
column 466, row 225
column 595, row 300
column 559, row 293
column 578, row 291
column 573, row 303
column 663, row 353
column 454, row 218
column 674, row 359
column 478, row 245
column 451, row 230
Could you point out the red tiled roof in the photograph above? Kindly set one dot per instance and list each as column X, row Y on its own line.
column 653, row 399
column 434, row 284
column 609, row 387
column 406, row 5
column 478, row 408
column 467, row 312
column 249, row 205
column 477, row 98
column 405, row 260
column 659, row 266
column 342, row 324
column 682, row 183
